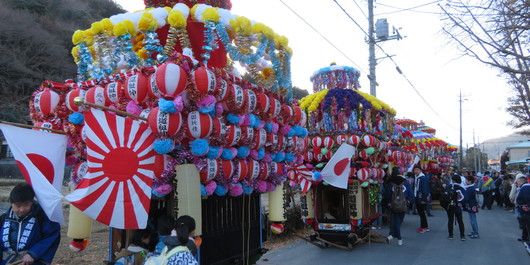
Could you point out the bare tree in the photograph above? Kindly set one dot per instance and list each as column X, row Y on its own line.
column 496, row 33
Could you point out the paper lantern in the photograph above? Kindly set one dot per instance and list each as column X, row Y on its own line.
column 397, row 155
column 218, row 128
column 96, row 95
column 233, row 135
column 308, row 156
column 260, row 138
column 242, row 170
column 264, row 171
column 353, row 171
column 328, row 142
column 363, row 174
column 286, row 111
column 353, row 140
column 368, row 140
column 136, row 87
column 364, row 155
column 70, row 97
column 199, row 125
column 153, row 89
column 253, row 169
column 297, row 114
column 340, row 139
column 251, row 99
column 319, row 157
column 161, row 162
column 144, row 114
column 424, row 166
column 114, row 91
column 164, row 123
column 46, row 101
column 277, row 228
column 247, row 135
column 210, row 170
column 204, row 80
column 222, row 94
column 329, row 155
column 272, row 141
column 275, row 107
column 83, row 133
column 228, row 168
column 263, row 103
column 280, row 143
column 317, row 141
column 171, row 79
column 81, row 169
column 45, row 124
column 276, row 168
column 303, row 120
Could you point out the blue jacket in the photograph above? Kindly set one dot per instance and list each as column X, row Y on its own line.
column 388, row 192
column 472, row 204
column 423, row 188
column 43, row 240
column 523, row 200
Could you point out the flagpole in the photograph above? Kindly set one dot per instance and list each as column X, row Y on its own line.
column 32, row 127
column 79, row 101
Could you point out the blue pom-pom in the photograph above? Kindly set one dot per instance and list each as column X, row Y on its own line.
column 167, row 106
column 297, row 130
column 303, row 133
column 279, row 157
column 207, row 110
column 247, row 190
column 156, row 193
column 199, row 147
column 163, row 146
column 289, row 157
column 227, row 154
column 212, row 152
column 317, row 176
column 254, row 120
column 291, row 132
column 268, row 127
column 261, row 153
column 242, row 151
column 203, row 191
column 232, row 118
column 220, row 190
column 273, row 155
column 76, row 118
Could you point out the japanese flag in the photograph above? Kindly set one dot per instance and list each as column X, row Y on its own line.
column 337, row 169
column 40, row 157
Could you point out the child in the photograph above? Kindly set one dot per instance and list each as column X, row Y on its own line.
column 185, row 230
column 27, row 233
column 455, row 207
column 137, row 250
column 472, row 206
column 164, row 226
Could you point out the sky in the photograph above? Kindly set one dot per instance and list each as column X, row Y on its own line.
column 428, row 59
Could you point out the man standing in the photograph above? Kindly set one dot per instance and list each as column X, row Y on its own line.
column 422, row 194
column 523, row 206
column 486, row 186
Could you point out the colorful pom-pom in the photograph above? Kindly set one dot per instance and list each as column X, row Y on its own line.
column 211, row 187
column 247, row 190
column 133, row 108
column 220, row 190
column 203, row 191
column 163, row 189
column 242, row 151
column 261, row 186
column 232, row 118
column 178, row 102
column 236, row 190
column 268, row 127
column 76, row 118
column 199, row 147
column 261, row 153
column 316, row 176
column 163, row 146
column 227, row 154
column 167, row 106
column 279, row 157
column 213, row 152
column 289, row 157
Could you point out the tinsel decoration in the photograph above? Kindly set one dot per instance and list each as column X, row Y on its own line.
column 373, row 194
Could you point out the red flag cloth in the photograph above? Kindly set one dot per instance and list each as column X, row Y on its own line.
column 337, row 169
column 40, row 156
column 116, row 190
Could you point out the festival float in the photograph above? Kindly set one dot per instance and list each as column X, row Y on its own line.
column 348, row 157
column 160, row 122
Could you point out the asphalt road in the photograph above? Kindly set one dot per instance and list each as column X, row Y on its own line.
column 498, row 245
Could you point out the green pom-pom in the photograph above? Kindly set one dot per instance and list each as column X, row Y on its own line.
column 324, row 151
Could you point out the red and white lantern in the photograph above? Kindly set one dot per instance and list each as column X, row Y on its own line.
column 204, row 80
column 317, row 141
column 363, row 174
column 264, row 171
column 81, row 169
column 164, row 123
column 113, row 91
column 251, row 100
column 136, row 87
column 233, row 135
column 210, row 170
column 368, row 141
column 340, row 139
column 45, row 124
column 263, row 103
column 70, row 97
column 199, row 125
column 242, row 171
column 223, row 94
column 308, row 156
column 171, row 80
column 228, row 168
column 46, row 101
column 153, row 89
column 328, row 142
column 218, row 128
column 96, row 95
column 161, row 162
column 275, row 107
column 353, row 140
column 260, row 138
column 253, row 169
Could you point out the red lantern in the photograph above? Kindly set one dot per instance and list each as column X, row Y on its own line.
column 260, row 138
column 233, row 135
column 317, row 141
column 368, row 140
column 264, row 171
column 286, row 111
column 199, row 125
column 223, row 94
column 46, row 101
column 397, row 155
column 242, row 171
column 81, row 169
column 251, row 99
column 328, row 142
column 247, row 135
column 96, row 95
column 297, row 115
column 340, row 139
column 153, row 89
column 353, row 140
column 363, row 174
column 45, row 124
column 171, row 79
column 136, row 88
column 210, row 170
column 113, row 91
column 204, row 80
column 308, row 156
column 164, row 123
column 70, row 97
column 161, row 162
column 263, row 103
column 303, row 120
column 253, row 169
column 364, row 155
column 228, row 168
column 218, row 128
column 275, row 107
column 276, row 168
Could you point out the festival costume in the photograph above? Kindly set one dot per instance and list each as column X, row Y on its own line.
column 33, row 234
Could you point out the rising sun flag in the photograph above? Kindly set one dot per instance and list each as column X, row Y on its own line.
column 116, row 190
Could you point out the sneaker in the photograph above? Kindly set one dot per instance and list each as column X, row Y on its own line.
column 400, row 242
column 463, row 238
column 450, row 237
column 426, row 229
column 475, row 236
column 421, row 230
column 388, row 238
column 470, row 234
column 528, row 250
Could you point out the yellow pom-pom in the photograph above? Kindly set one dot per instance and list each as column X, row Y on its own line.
column 147, row 22
column 75, row 53
column 289, row 50
column 97, row 27
column 88, row 37
column 77, row 37
column 269, row 33
column 130, row 27
column 176, row 19
column 168, row 9
column 107, row 25
column 282, row 40
column 257, row 28
column 211, row 14
column 245, row 27
column 193, row 10
column 120, row 29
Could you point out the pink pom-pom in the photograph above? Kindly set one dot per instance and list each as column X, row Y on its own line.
column 133, row 108
column 246, row 120
column 270, row 186
column 299, row 159
column 219, row 110
column 275, row 127
column 261, row 186
column 267, row 158
column 309, row 166
column 236, row 190
column 71, row 160
column 179, row 103
column 254, row 154
column 206, row 102
column 292, row 184
column 285, row 130
column 261, row 125
column 210, row 188
column 164, row 189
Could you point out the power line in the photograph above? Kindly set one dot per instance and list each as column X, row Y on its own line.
column 331, row 43
column 409, row 8
column 362, row 11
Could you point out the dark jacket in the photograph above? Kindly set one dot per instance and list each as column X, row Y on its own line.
column 398, row 180
column 173, row 241
column 523, row 200
column 472, row 204
column 423, row 189
column 43, row 240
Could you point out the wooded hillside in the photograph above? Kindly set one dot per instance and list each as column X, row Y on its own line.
column 35, row 44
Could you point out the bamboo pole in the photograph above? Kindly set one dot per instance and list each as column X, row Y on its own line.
column 79, row 101
column 32, row 127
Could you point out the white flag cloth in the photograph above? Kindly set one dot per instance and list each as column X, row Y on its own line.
column 41, row 158
column 337, row 169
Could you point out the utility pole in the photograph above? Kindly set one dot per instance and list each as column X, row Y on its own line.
column 475, row 153
column 371, row 47
column 461, row 150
